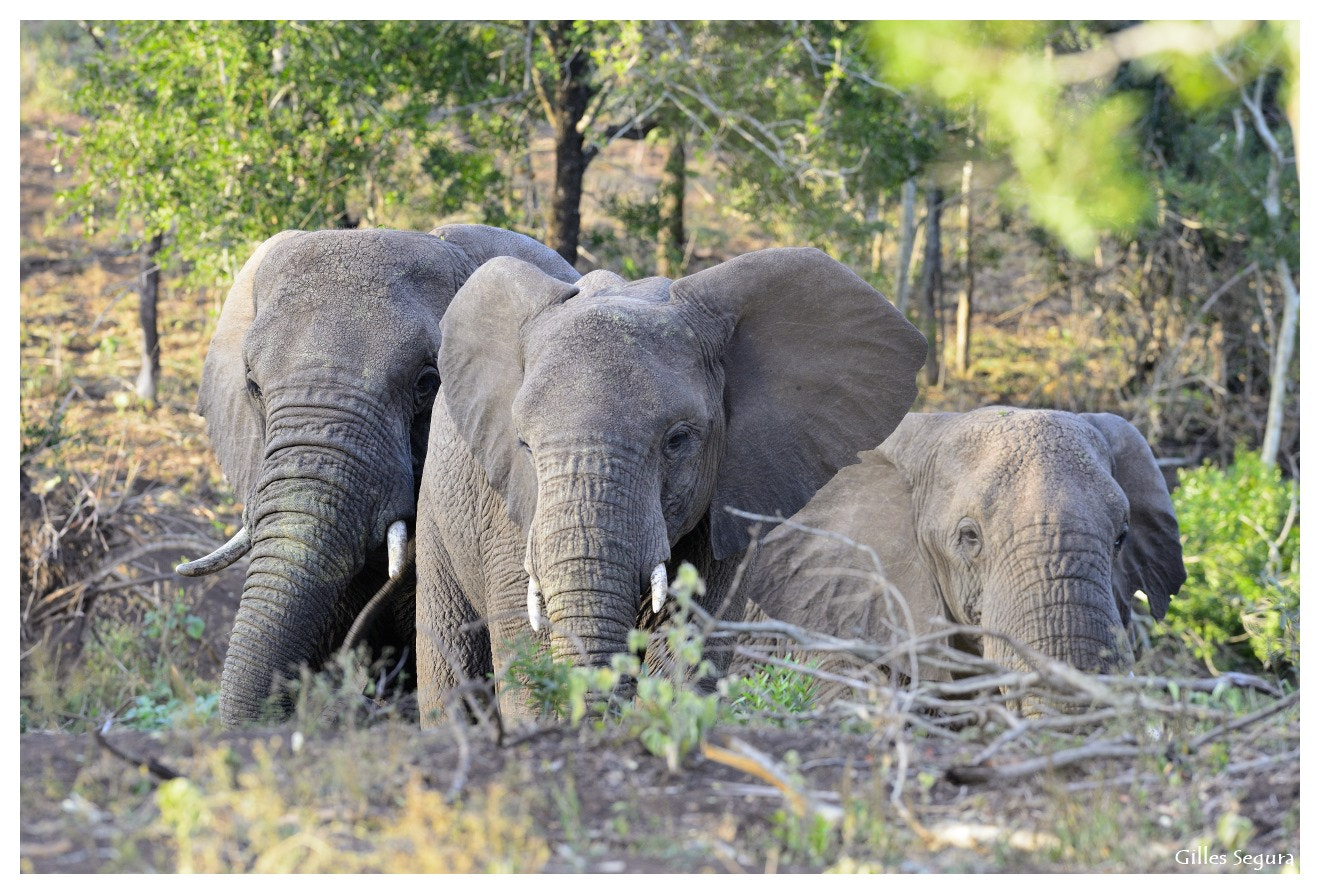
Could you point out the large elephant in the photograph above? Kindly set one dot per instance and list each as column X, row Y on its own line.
column 1038, row 524
column 317, row 391
column 592, row 436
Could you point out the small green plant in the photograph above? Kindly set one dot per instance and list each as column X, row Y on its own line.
column 772, row 690
column 810, row 837
column 136, row 668
column 552, row 686
column 1241, row 527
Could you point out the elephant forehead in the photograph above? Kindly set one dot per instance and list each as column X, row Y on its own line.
column 590, row 358
column 365, row 330
column 348, row 254
column 1039, row 458
column 613, row 331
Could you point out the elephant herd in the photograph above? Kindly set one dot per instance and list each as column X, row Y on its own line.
column 555, row 444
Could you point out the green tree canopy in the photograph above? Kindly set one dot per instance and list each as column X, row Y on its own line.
column 221, row 133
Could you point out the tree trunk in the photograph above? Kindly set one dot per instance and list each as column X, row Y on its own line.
column 932, row 285
column 1282, row 362
column 907, row 237
column 671, row 240
column 963, row 333
column 570, row 97
column 148, row 290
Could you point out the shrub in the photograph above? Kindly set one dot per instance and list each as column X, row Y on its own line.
column 773, row 690
column 1241, row 532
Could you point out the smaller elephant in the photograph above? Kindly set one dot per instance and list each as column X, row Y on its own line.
column 1037, row 524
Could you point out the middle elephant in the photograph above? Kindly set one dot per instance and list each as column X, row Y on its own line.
column 589, row 438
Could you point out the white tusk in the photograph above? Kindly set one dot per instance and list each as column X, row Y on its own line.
column 534, row 613
column 227, row 555
column 659, row 587
column 396, row 541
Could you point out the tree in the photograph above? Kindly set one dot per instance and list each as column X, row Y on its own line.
column 207, row 137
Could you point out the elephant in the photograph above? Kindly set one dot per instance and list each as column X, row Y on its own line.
column 1037, row 524
column 317, row 390
column 589, row 438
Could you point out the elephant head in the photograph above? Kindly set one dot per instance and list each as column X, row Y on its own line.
column 1038, row 524
column 617, row 420
column 317, row 390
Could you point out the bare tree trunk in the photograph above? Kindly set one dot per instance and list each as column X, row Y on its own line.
column 963, row 331
column 672, row 238
column 932, row 285
column 571, row 94
column 1282, row 362
column 907, row 237
column 878, row 213
column 148, row 290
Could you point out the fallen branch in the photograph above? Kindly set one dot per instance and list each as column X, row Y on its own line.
column 152, row 766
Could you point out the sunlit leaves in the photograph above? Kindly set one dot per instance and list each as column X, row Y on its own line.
column 222, row 133
column 1072, row 147
column 1046, row 95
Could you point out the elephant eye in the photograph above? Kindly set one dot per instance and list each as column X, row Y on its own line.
column 969, row 537
column 1121, row 539
column 428, row 383
column 678, row 441
column 253, row 388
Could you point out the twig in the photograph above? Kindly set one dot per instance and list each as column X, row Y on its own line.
column 1245, row 720
column 1107, row 750
column 153, row 766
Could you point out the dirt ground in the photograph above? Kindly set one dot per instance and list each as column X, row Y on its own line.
column 118, row 494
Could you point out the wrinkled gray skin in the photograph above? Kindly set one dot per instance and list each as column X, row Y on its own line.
column 1039, row 524
column 594, row 431
column 317, row 392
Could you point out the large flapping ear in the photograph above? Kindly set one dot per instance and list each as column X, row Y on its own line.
column 828, row 584
column 1151, row 559
column 480, row 243
column 232, row 422
column 481, row 366
column 818, row 366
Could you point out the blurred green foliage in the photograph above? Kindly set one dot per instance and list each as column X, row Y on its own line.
column 1241, row 526
column 1066, row 103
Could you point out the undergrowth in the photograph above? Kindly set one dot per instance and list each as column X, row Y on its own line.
column 1241, row 606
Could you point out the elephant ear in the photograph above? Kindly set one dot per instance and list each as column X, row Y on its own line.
column 232, row 422
column 817, row 365
column 481, row 366
column 1151, row 559
column 480, row 243
column 824, row 583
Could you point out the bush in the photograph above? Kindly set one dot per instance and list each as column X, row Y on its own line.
column 1241, row 532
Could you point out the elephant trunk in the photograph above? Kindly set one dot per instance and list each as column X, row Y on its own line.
column 591, row 609
column 595, row 548
column 307, row 547
column 1070, row 619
